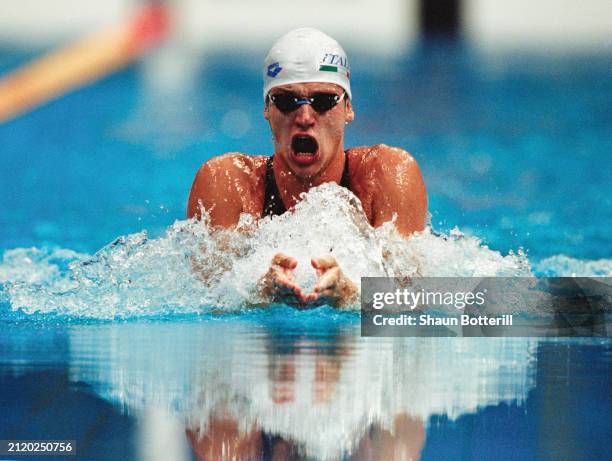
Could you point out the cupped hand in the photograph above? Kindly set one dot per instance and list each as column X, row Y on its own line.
column 278, row 284
column 332, row 287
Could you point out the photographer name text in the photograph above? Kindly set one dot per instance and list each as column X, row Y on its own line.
column 427, row 320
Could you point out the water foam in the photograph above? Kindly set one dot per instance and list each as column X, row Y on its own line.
column 565, row 266
column 192, row 269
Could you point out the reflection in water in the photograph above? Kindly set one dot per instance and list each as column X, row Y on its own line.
column 247, row 391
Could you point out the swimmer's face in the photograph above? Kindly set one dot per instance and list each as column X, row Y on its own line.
column 305, row 139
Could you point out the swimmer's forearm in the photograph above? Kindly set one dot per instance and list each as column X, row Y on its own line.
column 211, row 261
column 200, row 270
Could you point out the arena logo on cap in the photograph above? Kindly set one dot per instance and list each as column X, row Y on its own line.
column 274, row 69
column 331, row 62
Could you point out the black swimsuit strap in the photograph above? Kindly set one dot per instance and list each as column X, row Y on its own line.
column 346, row 178
column 273, row 203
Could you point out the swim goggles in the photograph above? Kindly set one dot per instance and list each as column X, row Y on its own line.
column 321, row 102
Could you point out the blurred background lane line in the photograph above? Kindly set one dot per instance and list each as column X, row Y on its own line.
column 82, row 62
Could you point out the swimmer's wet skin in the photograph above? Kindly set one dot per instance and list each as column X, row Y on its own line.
column 308, row 103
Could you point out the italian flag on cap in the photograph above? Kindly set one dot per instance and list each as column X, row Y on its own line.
column 328, row 68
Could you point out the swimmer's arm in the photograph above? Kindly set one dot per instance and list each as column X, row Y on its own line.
column 216, row 188
column 401, row 191
column 213, row 191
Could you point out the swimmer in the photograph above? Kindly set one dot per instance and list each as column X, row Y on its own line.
column 308, row 103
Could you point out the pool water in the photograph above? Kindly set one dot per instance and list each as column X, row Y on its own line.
column 514, row 150
column 311, row 390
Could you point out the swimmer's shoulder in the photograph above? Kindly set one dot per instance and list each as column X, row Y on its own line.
column 233, row 176
column 235, row 168
column 389, row 182
column 376, row 155
column 366, row 162
column 236, row 165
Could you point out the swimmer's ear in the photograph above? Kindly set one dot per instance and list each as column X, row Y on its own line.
column 350, row 115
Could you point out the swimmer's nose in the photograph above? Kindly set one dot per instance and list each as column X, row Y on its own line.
column 305, row 116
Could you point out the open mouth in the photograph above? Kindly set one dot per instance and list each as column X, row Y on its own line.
column 304, row 148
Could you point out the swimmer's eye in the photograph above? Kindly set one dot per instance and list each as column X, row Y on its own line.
column 320, row 102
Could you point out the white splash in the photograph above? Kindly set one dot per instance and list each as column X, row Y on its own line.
column 192, row 269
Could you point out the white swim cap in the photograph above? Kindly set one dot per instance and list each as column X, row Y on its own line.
column 306, row 55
